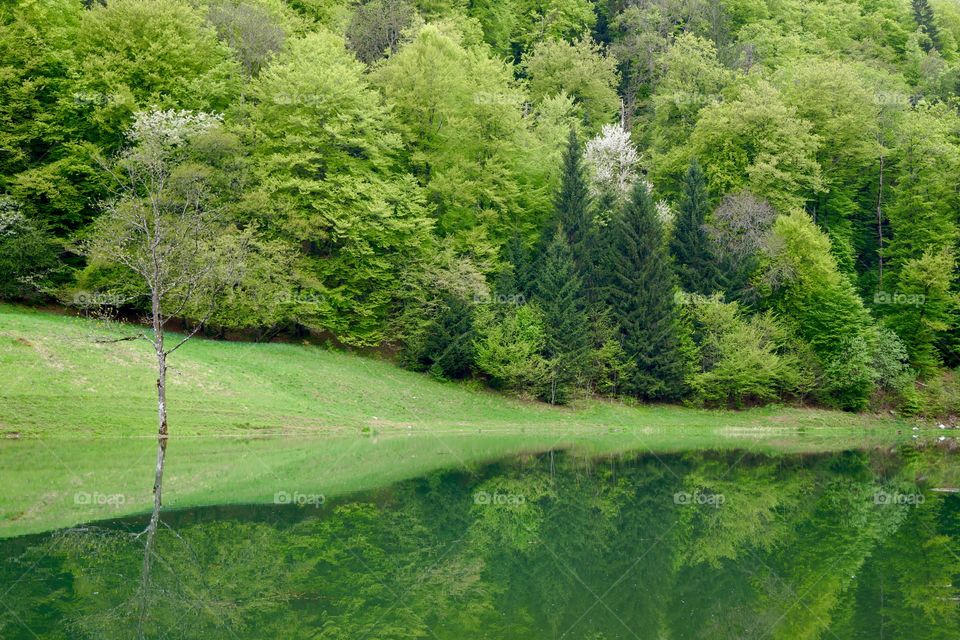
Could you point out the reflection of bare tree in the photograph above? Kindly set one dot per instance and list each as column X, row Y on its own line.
column 163, row 228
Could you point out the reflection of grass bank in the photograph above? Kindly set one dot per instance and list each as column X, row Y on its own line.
column 55, row 483
column 55, row 381
column 85, row 415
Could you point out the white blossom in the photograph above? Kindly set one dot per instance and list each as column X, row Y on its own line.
column 612, row 161
column 12, row 221
column 170, row 128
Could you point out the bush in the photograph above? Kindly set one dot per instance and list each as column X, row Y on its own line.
column 510, row 349
column 741, row 361
column 446, row 349
column 28, row 255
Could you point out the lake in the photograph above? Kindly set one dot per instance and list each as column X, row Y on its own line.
column 724, row 542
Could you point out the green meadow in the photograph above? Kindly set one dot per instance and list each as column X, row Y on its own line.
column 251, row 421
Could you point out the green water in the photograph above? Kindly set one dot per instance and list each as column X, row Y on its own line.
column 701, row 544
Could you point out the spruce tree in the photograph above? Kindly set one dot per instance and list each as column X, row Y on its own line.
column 923, row 14
column 640, row 288
column 448, row 349
column 572, row 207
column 692, row 248
column 559, row 294
column 515, row 279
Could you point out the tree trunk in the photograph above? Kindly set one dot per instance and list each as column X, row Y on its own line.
column 151, row 529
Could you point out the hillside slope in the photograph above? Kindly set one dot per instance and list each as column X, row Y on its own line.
column 56, row 380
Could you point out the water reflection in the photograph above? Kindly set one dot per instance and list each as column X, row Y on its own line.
column 697, row 545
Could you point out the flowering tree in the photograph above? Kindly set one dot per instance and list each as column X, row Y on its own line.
column 612, row 161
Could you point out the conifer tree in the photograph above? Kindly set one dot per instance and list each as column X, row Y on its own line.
column 923, row 14
column 560, row 297
column 448, row 350
column 692, row 248
column 639, row 285
column 572, row 206
column 514, row 280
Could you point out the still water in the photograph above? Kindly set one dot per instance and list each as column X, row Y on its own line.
column 704, row 544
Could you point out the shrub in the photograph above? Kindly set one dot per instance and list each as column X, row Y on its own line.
column 510, row 349
column 741, row 361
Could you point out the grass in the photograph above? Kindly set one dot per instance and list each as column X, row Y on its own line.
column 56, row 381
column 77, row 419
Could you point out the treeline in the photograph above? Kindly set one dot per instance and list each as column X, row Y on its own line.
column 728, row 202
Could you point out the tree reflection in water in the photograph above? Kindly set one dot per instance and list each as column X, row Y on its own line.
column 706, row 545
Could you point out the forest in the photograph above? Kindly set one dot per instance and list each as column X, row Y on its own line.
column 726, row 203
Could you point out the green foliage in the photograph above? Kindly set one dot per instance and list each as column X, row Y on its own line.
column 510, row 346
column 513, row 26
column 581, row 70
column 741, row 360
column 925, row 199
column 466, row 139
column 924, row 307
column 844, row 113
column 691, row 246
column 805, row 287
column 693, row 78
column 82, row 75
column 754, row 141
column 324, row 148
column 560, row 296
column 448, row 349
column 132, row 54
column 923, row 14
column 573, row 209
column 28, row 254
column 640, row 288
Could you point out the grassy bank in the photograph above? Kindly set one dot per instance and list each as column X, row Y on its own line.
column 77, row 419
column 57, row 381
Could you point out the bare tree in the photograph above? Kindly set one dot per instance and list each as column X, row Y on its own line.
column 163, row 226
column 250, row 30
column 740, row 228
column 376, row 28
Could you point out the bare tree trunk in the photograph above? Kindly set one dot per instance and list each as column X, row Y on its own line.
column 151, row 529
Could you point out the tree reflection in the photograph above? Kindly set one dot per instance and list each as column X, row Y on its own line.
column 799, row 547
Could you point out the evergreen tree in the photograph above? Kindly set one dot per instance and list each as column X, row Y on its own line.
column 923, row 14
column 572, row 205
column 640, row 288
column 566, row 324
column 514, row 279
column 448, row 350
column 692, row 248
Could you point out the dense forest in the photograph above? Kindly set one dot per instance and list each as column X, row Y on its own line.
column 722, row 202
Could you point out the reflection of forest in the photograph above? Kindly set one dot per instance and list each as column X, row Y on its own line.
column 798, row 547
